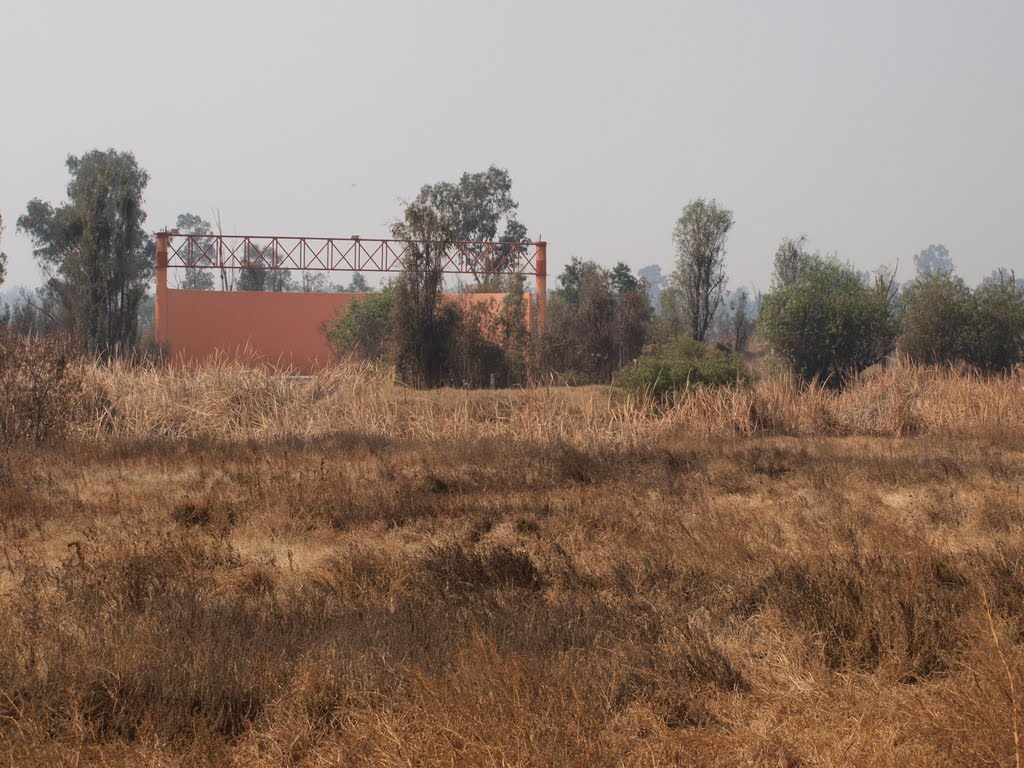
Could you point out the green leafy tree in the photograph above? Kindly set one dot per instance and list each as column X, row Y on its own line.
column 358, row 284
column 994, row 332
column 622, row 279
column 264, row 274
column 828, row 323
column 366, row 328
column 935, row 309
column 198, row 278
column 93, row 249
column 570, row 280
column 700, row 235
column 791, row 260
column 477, row 208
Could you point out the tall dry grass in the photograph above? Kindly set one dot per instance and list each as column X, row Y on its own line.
column 362, row 601
column 227, row 566
column 234, row 401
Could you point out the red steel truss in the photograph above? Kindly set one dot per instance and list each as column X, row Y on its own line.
column 351, row 254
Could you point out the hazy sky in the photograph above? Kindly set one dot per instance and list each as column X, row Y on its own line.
column 875, row 128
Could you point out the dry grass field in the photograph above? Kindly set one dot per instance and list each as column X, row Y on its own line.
column 226, row 567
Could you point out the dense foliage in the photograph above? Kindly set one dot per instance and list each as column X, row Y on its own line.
column 97, row 257
column 827, row 322
column 994, row 336
column 699, row 276
column 934, row 317
column 598, row 320
column 667, row 367
column 944, row 321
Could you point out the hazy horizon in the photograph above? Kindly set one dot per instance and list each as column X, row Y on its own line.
column 875, row 129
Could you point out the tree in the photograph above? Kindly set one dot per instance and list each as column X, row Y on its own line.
column 671, row 313
column 994, row 332
column 700, row 236
column 197, row 278
column 365, row 329
column 933, row 260
column 632, row 322
column 420, row 338
column 36, row 314
column 3, row 256
column 934, row 314
column 791, row 260
column 265, row 273
column 827, row 323
column 571, row 279
column 656, row 283
column 475, row 209
column 512, row 330
column 313, row 281
column 358, row 284
column 741, row 325
column 622, row 279
column 93, row 249
column 597, row 320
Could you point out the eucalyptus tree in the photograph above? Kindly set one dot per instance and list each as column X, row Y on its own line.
column 699, row 277
column 97, row 257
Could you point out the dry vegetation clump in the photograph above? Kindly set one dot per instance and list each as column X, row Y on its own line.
column 42, row 386
column 232, row 401
column 362, row 600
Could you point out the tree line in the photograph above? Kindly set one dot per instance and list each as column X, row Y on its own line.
column 824, row 318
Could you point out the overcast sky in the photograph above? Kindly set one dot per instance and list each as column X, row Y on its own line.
column 875, row 128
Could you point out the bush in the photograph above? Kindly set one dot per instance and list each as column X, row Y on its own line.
column 42, row 382
column 681, row 363
column 468, row 343
column 598, row 320
column 827, row 323
column 365, row 328
column 935, row 312
column 994, row 333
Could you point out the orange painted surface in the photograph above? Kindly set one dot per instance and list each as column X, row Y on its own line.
column 284, row 330
column 278, row 329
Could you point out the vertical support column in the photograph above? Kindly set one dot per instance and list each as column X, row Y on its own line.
column 542, row 286
column 162, row 240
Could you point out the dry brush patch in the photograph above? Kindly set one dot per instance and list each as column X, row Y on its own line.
column 367, row 600
column 232, row 401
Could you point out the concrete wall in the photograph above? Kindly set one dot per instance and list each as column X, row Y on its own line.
column 285, row 330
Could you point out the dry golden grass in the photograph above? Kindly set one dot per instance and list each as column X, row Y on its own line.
column 231, row 568
column 231, row 401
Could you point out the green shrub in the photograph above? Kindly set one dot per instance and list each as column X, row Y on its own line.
column 670, row 366
column 935, row 312
column 827, row 323
column 994, row 334
column 366, row 327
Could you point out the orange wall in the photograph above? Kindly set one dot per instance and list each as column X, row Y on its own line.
column 279, row 329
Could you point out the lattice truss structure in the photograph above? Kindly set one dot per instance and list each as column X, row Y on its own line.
column 350, row 254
